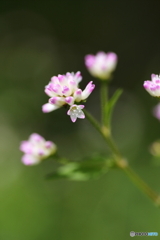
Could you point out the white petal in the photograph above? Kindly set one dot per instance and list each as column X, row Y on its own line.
column 49, row 107
column 78, row 95
column 76, row 112
column 73, row 118
column 81, row 115
column 88, row 90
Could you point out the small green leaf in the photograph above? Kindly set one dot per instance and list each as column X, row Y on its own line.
column 110, row 106
column 91, row 168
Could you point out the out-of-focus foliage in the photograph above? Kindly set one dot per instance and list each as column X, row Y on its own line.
column 39, row 39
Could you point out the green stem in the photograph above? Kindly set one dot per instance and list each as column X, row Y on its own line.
column 121, row 163
column 142, row 185
column 103, row 93
column 105, row 133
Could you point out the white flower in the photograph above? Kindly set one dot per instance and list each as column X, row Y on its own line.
column 101, row 65
column 64, row 89
column 153, row 86
column 75, row 112
column 36, row 149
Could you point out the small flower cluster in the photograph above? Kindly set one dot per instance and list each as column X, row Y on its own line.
column 101, row 65
column 63, row 90
column 36, row 149
column 156, row 111
column 153, row 86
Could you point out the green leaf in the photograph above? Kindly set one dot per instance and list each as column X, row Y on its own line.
column 91, row 168
column 110, row 106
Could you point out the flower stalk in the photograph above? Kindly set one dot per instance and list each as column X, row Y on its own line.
column 119, row 160
column 103, row 93
column 64, row 90
column 142, row 185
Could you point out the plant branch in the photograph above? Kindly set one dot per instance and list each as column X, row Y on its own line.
column 103, row 93
column 121, row 163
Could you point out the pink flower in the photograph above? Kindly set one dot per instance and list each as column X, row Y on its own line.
column 156, row 111
column 153, row 86
column 64, row 89
column 75, row 112
column 101, row 65
column 36, row 149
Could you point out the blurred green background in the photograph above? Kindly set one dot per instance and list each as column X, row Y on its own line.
column 39, row 39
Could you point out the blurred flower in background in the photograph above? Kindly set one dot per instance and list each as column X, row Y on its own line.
column 153, row 86
column 101, row 65
column 156, row 111
column 36, row 149
column 155, row 148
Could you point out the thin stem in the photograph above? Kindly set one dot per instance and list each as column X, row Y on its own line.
column 142, row 185
column 93, row 121
column 121, row 163
column 105, row 133
column 103, row 93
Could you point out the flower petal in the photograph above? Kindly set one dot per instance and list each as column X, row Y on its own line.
column 49, row 107
column 81, row 115
column 89, row 60
column 78, row 95
column 35, row 137
column 75, row 112
column 156, row 111
column 29, row 159
column 26, row 147
column 87, row 91
column 58, row 101
column 101, row 65
column 153, row 86
column 69, row 100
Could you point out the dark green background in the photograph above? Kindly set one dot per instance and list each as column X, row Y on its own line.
column 39, row 39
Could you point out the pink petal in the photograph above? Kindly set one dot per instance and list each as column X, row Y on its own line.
column 87, row 91
column 69, row 100
column 28, row 159
column 89, row 60
column 26, row 147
